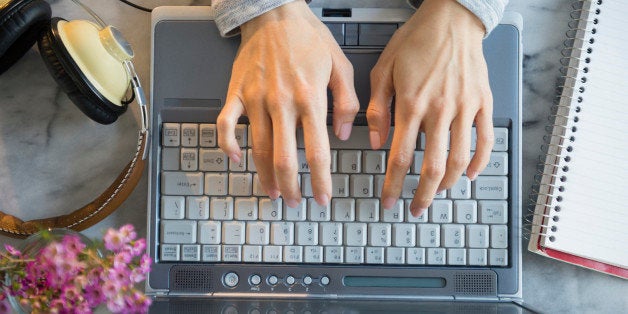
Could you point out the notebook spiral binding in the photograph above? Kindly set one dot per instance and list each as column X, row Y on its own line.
column 550, row 178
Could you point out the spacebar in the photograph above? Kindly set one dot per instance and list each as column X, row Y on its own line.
column 359, row 139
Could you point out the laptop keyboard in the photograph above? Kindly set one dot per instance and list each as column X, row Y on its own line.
column 214, row 211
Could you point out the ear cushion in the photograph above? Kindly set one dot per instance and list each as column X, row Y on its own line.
column 21, row 22
column 69, row 76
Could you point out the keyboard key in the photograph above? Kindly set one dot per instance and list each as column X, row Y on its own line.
column 313, row 254
column 404, row 235
column 497, row 165
column 354, row 255
column 231, row 253
column 461, row 189
column 465, row 211
column 436, row 256
column 246, row 208
column 216, row 184
column 210, row 232
column 477, row 257
column 282, row 233
column 178, row 231
column 395, row 255
column 343, row 209
column 477, row 236
column 441, row 211
column 257, row 186
column 252, row 253
column 211, row 253
column 233, row 232
column 170, row 252
column 197, row 207
column 456, row 256
column 330, row 233
column 307, row 233
column 429, row 235
column 241, row 135
column 172, row 207
column 501, row 140
column 375, row 255
column 212, row 159
column 250, row 161
column 491, row 188
column 221, row 208
column 238, row 166
column 378, row 185
column 302, row 161
column 355, row 234
column 379, row 234
column 410, row 218
column 374, row 161
column 170, row 157
column 339, row 185
column 361, row 185
column 293, row 254
column 189, row 134
column 317, row 212
column 394, row 214
column 499, row 236
column 270, row 209
column 272, row 254
column 170, row 134
column 207, row 135
column 295, row 213
column 415, row 256
column 334, row 254
column 493, row 212
column 349, row 161
column 368, row 209
column 191, row 253
column 181, row 183
column 453, row 235
column 417, row 162
column 257, row 233
column 240, row 184
column 410, row 183
column 498, row 257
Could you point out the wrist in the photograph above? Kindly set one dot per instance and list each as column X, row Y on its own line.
column 450, row 12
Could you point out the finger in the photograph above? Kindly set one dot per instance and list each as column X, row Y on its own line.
column 401, row 155
column 485, row 141
column 378, row 111
column 346, row 104
column 262, row 133
column 433, row 167
column 285, row 157
column 459, row 151
column 226, row 123
column 317, row 155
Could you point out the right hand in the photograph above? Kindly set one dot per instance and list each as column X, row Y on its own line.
column 286, row 60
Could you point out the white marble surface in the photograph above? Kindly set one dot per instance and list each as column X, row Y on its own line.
column 53, row 159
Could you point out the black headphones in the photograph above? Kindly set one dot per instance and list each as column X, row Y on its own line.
column 92, row 64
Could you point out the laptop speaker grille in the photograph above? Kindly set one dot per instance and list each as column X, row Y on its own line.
column 190, row 278
column 475, row 283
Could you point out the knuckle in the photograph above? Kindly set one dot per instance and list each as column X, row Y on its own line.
column 433, row 169
column 262, row 154
column 458, row 162
column 285, row 164
column 401, row 160
column 318, row 157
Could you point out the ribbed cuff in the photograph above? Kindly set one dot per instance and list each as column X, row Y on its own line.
column 230, row 14
column 490, row 12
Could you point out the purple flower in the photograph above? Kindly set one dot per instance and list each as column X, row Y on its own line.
column 5, row 308
column 12, row 251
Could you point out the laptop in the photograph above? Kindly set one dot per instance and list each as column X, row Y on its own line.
column 219, row 244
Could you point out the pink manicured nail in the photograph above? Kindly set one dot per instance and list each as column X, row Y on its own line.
column 345, row 131
column 235, row 158
column 417, row 212
column 472, row 175
column 389, row 203
column 292, row 203
column 322, row 199
column 273, row 194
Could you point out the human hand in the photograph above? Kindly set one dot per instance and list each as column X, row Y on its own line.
column 286, row 61
column 435, row 68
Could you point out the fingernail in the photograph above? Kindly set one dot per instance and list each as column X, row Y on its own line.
column 388, row 203
column 273, row 194
column 439, row 191
column 292, row 203
column 345, row 131
column 374, row 137
column 472, row 175
column 235, row 158
column 416, row 212
column 322, row 199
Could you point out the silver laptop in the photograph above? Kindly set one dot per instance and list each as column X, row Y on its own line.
column 220, row 244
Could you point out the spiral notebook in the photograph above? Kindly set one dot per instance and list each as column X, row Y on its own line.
column 581, row 210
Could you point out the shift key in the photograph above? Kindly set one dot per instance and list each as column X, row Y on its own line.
column 181, row 183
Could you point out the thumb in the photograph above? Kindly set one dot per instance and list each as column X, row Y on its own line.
column 226, row 124
column 378, row 111
column 346, row 104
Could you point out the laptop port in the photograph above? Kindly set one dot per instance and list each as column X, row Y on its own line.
column 336, row 12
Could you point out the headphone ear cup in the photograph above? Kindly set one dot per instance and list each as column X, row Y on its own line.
column 21, row 23
column 78, row 89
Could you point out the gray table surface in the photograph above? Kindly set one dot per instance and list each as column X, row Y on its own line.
column 53, row 159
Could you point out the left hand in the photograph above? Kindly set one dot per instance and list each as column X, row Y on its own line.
column 434, row 66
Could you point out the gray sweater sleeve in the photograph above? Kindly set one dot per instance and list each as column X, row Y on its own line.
column 490, row 12
column 230, row 14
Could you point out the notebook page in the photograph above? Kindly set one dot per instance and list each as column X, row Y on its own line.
column 592, row 220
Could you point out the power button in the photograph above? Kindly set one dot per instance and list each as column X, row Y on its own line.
column 230, row 279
